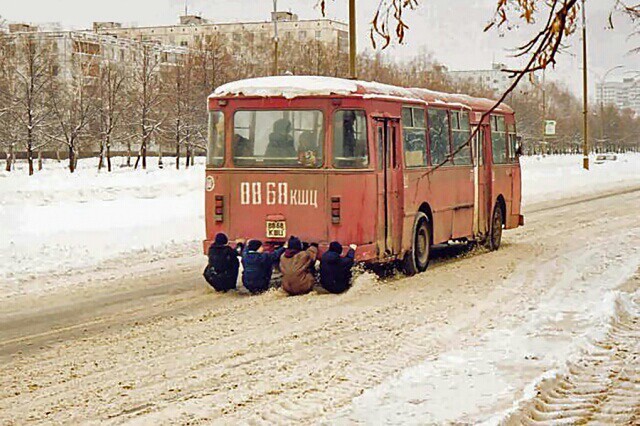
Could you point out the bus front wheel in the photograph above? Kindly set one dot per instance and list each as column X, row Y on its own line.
column 417, row 259
column 495, row 233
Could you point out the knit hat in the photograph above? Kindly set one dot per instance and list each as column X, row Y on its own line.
column 295, row 244
column 221, row 239
column 335, row 247
column 254, row 245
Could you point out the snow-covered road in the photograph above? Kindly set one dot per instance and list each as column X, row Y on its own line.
column 578, row 289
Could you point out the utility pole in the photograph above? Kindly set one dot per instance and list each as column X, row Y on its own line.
column 352, row 39
column 544, row 111
column 585, row 142
column 275, row 37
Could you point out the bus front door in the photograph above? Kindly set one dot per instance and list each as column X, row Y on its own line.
column 389, row 186
column 483, row 182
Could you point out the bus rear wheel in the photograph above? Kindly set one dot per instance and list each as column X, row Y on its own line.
column 417, row 259
column 495, row 233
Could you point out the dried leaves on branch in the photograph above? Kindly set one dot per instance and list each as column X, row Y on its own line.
column 390, row 18
column 541, row 50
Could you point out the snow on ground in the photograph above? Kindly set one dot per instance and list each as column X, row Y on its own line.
column 55, row 222
column 562, row 176
column 495, row 375
column 491, row 376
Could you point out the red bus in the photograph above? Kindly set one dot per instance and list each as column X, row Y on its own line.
column 380, row 166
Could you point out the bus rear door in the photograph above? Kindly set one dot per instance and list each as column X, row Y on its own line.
column 389, row 185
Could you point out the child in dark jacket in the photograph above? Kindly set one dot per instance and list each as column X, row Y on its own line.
column 222, row 270
column 335, row 271
column 258, row 266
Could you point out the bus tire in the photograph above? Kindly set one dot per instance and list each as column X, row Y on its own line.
column 495, row 232
column 416, row 260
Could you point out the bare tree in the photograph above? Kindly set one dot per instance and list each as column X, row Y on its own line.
column 112, row 106
column 178, row 79
column 214, row 62
column 33, row 67
column 74, row 104
column 197, row 115
column 147, row 97
column 8, row 129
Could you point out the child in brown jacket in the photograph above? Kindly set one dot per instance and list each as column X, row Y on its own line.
column 296, row 266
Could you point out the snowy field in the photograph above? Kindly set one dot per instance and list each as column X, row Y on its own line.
column 562, row 176
column 55, row 223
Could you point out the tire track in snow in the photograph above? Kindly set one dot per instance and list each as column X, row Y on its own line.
column 601, row 385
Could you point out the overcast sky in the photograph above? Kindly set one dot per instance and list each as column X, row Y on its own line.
column 450, row 30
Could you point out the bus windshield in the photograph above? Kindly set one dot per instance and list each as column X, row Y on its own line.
column 278, row 138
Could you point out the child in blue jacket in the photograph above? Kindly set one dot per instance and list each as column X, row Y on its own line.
column 258, row 266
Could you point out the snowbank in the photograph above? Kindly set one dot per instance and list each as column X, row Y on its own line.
column 562, row 176
column 55, row 221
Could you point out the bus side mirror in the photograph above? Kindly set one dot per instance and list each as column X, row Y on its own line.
column 519, row 151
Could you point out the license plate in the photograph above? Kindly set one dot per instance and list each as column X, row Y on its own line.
column 276, row 229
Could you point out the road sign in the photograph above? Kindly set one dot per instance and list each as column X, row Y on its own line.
column 549, row 127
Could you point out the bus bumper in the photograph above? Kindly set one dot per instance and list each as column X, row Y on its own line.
column 521, row 220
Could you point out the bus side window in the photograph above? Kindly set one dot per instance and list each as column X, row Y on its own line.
column 477, row 147
column 498, row 139
column 350, row 148
column 439, row 136
column 513, row 142
column 414, row 133
column 461, row 134
column 380, row 147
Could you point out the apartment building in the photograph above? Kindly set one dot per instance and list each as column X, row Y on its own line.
column 623, row 94
column 494, row 79
column 193, row 31
column 87, row 49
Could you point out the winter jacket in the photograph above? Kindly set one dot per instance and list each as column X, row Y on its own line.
column 257, row 269
column 280, row 146
column 297, row 270
column 281, row 143
column 335, row 271
column 222, row 270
